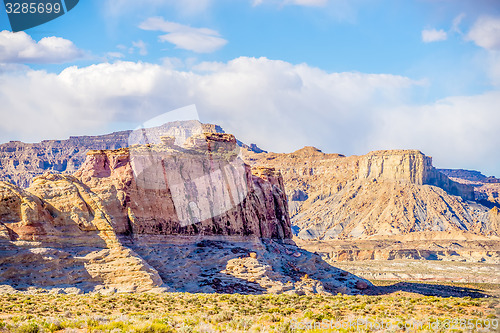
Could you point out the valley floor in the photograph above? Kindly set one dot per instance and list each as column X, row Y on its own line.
column 423, row 270
column 390, row 310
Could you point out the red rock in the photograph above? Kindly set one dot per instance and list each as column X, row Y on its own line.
column 361, row 285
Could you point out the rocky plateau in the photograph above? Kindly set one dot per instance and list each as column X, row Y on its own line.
column 169, row 212
column 187, row 207
column 387, row 205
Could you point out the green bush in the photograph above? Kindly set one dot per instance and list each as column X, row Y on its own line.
column 28, row 328
column 155, row 328
column 53, row 327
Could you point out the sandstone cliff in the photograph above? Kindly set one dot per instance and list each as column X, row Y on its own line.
column 486, row 189
column 410, row 166
column 182, row 218
column 56, row 234
column 201, row 189
column 20, row 162
column 382, row 193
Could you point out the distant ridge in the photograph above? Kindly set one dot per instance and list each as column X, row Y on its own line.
column 383, row 193
column 20, row 162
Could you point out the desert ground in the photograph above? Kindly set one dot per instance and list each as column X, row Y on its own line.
column 391, row 306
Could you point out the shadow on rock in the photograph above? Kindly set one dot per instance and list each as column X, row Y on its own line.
column 242, row 265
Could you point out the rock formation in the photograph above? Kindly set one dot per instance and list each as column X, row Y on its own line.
column 176, row 214
column 409, row 166
column 21, row 162
column 382, row 193
column 486, row 189
column 64, row 239
column 203, row 189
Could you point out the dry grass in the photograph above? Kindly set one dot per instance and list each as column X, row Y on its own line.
column 182, row 312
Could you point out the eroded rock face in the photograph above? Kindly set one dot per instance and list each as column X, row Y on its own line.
column 486, row 189
column 241, row 265
column 20, row 162
column 381, row 193
column 57, row 233
column 84, row 231
column 202, row 189
column 410, row 166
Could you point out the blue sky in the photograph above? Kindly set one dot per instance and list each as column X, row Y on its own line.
column 346, row 76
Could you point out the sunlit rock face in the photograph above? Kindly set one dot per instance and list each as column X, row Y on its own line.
column 57, row 233
column 383, row 193
column 201, row 188
column 21, row 162
column 102, row 228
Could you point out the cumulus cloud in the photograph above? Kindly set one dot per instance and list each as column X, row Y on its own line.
column 185, row 7
column 486, row 33
column 19, row 47
column 278, row 105
column 433, row 35
column 459, row 131
column 200, row 40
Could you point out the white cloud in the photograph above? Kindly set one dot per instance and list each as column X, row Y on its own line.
column 459, row 132
column 278, row 105
column 184, row 7
column 200, row 40
column 455, row 26
column 141, row 46
column 19, row 47
column 486, row 33
column 493, row 67
column 433, row 35
column 115, row 55
column 313, row 3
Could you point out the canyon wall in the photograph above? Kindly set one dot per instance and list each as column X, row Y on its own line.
column 158, row 215
column 202, row 188
column 395, row 192
column 410, row 166
column 20, row 162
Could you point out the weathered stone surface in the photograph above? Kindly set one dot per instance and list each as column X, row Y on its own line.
column 381, row 193
column 64, row 239
column 30, row 264
column 445, row 246
column 225, row 264
column 21, row 162
column 116, row 226
column 409, row 166
column 202, row 189
column 486, row 189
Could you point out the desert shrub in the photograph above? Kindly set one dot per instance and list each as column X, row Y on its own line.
column 53, row 327
column 92, row 322
column 28, row 328
column 155, row 328
column 222, row 317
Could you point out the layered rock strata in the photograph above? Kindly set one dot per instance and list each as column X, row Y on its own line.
column 202, row 188
column 179, row 218
column 382, row 193
column 20, row 162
